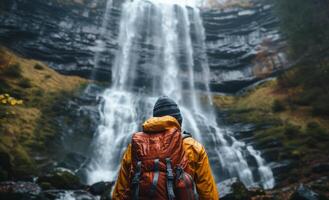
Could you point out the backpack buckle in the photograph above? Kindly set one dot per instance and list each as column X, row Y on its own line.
column 170, row 174
column 137, row 175
column 135, row 180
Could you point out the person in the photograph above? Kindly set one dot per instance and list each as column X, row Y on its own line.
column 167, row 115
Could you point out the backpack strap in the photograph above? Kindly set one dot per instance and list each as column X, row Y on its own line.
column 135, row 181
column 170, row 180
column 156, row 177
column 195, row 193
column 186, row 135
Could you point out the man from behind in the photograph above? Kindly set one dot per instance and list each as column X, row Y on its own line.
column 163, row 163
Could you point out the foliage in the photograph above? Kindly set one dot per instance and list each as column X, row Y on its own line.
column 320, row 107
column 317, row 132
column 38, row 67
column 25, row 83
column 278, row 106
column 4, row 86
column 314, row 79
column 6, row 99
column 48, row 76
column 292, row 131
column 12, row 71
column 305, row 23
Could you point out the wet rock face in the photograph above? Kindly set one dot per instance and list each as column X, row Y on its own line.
column 62, row 35
column 242, row 44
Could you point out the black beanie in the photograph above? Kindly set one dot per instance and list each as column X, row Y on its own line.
column 166, row 106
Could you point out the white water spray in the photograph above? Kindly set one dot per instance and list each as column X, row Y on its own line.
column 162, row 52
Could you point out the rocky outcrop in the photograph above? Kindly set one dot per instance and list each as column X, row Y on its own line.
column 61, row 35
column 243, row 44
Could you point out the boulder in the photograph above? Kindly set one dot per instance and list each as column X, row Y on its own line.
column 68, row 194
column 233, row 189
column 100, row 188
column 60, row 179
column 107, row 194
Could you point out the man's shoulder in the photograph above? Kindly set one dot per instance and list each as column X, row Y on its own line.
column 190, row 142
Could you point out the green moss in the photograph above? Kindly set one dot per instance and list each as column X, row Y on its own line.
column 22, row 156
column 25, row 83
column 6, row 141
column 60, row 180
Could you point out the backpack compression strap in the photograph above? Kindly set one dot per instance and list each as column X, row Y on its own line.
column 186, row 135
column 170, row 180
column 135, row 182
column 156, row 177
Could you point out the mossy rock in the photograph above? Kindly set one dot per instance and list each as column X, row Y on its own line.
column 60, row 179
column 239, row 192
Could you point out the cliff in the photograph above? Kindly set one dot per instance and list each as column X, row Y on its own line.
column 243, row 43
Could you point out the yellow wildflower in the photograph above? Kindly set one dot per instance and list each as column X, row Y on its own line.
column 13, row 102
column 19, row 102
column 7, row 95
column 4, row 101
column 2, row 96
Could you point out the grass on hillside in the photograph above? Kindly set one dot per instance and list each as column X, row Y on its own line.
column 27, row 126
column 303, row 134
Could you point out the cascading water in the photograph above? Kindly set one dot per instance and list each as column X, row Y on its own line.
column 162, row 52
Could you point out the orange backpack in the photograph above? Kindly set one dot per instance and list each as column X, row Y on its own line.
column 160, row 167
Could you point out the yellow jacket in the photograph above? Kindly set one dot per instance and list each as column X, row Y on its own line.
column 196, row 153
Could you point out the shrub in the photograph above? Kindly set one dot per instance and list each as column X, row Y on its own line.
column 39, row 93
column 48, row 76
column 306, row 98
column 306, row 28
column 38, row 67
column 291, row 131
column 13, row 71
column 25, row 83
column 3, row 85
column 317, row 132
column 278, row 106
column 320, row 107
column 3, row 111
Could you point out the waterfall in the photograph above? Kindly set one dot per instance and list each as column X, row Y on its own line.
column 162, row 51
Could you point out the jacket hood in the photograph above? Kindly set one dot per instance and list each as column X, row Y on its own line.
column 160, row 124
